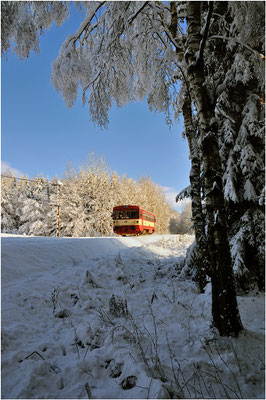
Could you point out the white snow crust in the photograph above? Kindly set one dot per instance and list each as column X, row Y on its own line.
column 59, row 339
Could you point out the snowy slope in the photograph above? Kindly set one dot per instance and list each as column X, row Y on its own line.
column 61, row 340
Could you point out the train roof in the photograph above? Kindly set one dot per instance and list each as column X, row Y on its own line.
column 124, row 206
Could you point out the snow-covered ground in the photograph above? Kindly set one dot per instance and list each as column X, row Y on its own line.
column 116, row 318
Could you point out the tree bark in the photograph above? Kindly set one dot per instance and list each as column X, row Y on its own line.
column 224, row 304
column 196, row 187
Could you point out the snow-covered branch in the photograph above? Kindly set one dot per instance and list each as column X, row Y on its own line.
column 71, row 39
column 236, row 41
column 217, row 108
column 184, row 194
column 132, row 17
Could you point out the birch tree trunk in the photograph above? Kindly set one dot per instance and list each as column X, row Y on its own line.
column 195, row 193
column 194, row 176
column 224, row 304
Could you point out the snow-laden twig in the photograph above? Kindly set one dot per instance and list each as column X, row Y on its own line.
column 75, row 339
column 35, row 352
column 229, row 368
column 218, row 378
column 185, row 193
column 224, row 114
column 238, row 42
column 88, row 390
column 132, row 17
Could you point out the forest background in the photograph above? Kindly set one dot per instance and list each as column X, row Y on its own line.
column 87, row 198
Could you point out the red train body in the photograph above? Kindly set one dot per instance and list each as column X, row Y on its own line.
column 132, row 220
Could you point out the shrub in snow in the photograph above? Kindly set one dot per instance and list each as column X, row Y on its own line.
column 118, row 306
column 89, row 281
column 63, row 314
column 129, row 382
column 115, row 368
column 193, row 268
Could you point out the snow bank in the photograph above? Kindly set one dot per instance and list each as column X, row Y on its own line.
column 61, row 340
column 28, row 255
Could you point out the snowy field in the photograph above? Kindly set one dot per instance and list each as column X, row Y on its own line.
column 116, row 318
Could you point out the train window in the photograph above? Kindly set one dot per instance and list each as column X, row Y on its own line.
column 148, row 217
column 118, row 214
column 133, row 214
column 122, row 214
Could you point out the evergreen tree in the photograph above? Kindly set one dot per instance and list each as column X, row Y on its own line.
column 237, row 72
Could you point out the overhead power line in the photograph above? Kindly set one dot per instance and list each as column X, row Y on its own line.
column 30, row 180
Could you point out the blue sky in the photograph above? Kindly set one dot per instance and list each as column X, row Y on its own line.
column 39, row 134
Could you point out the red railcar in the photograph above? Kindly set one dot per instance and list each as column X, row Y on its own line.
column 132, row 220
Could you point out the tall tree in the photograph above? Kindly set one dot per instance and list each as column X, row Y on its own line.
column 236, row 79
column 224, row 305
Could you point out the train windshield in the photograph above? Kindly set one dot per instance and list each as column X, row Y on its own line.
column 122, row 214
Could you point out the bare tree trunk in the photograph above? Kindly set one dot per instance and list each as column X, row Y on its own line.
column 195, row 184
column 224, row 304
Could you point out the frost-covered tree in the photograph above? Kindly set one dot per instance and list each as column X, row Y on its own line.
column 99, row 203
column 75, row 207
column 34, row 209
column 184, row 223
column 115, row 188
column 88, row 198
column 236, row 78
column 9, row 205
column 87, row 203
column 153, row 199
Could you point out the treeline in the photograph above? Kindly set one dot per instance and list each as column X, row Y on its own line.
column 87, row 198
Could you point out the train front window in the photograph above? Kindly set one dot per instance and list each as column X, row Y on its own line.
column 123, row 214
column 132, row 214
column 118, row 214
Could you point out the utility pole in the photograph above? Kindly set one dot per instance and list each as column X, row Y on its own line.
column 59, row 184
